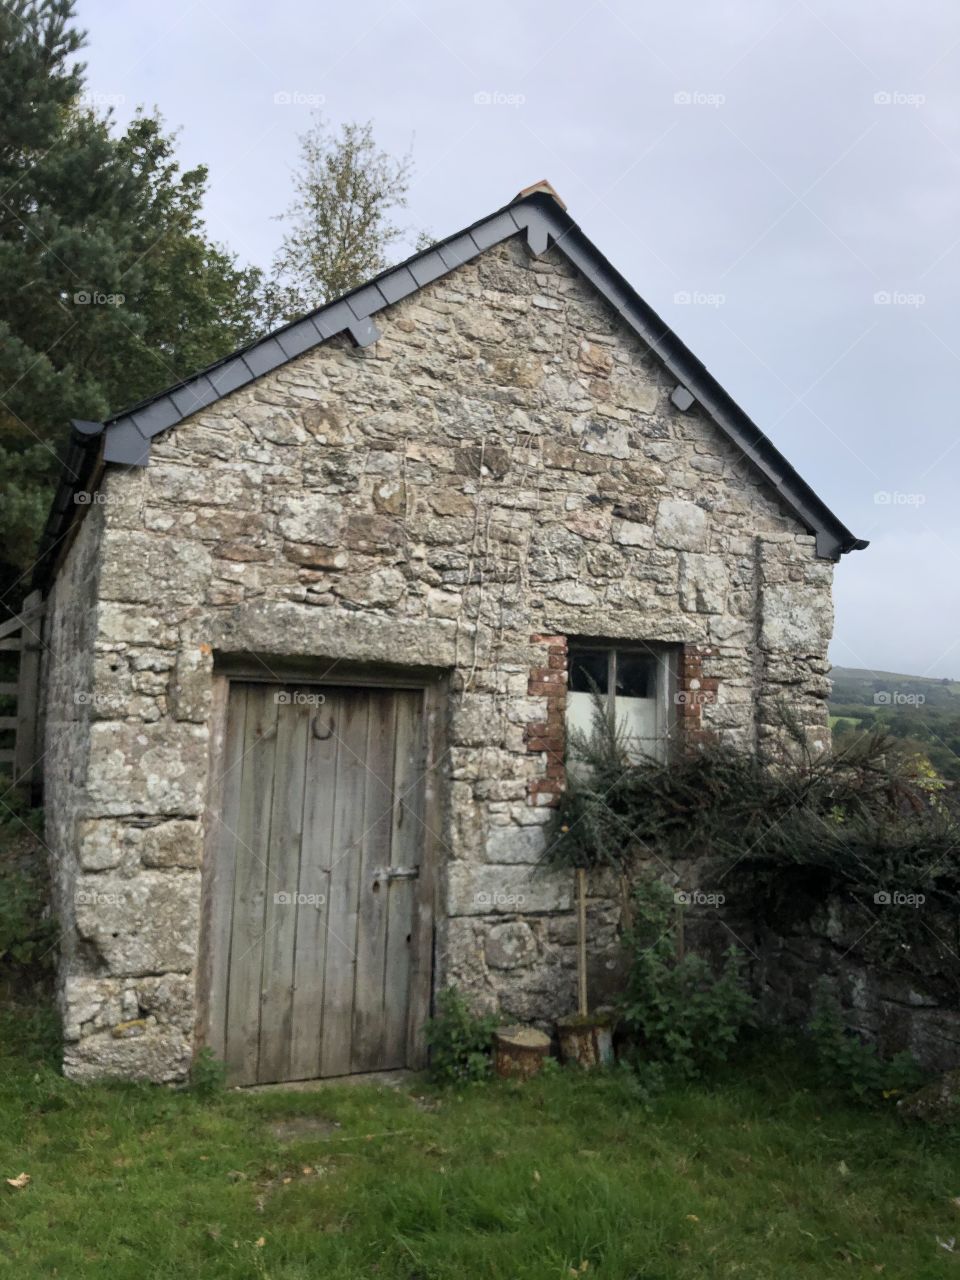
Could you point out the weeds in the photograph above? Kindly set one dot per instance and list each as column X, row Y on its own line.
column 460, row 1042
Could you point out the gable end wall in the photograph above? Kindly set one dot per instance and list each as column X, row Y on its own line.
column 502, row 470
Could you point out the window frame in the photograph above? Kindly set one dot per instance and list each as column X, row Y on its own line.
column 666, row 679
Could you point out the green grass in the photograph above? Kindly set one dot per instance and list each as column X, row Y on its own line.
column 846, row 722
column 755, row 1177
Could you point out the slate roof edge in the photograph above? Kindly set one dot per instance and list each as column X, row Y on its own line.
column 542, row 217
column 833, row 537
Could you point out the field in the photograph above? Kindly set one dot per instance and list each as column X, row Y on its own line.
column 756, row 1177
column 922, row 712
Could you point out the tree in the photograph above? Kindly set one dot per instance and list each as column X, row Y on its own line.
column 341, row 226
column 195, row 302
column 110, row 288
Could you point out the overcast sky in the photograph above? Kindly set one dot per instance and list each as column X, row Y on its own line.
column 793, row 169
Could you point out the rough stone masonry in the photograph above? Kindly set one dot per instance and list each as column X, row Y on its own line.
column 501, row 471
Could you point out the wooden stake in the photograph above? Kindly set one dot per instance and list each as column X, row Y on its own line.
column 681, row 942
column 582, row 941
column 626, row 906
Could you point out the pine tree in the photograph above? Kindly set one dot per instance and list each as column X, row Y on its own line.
column 110, row 288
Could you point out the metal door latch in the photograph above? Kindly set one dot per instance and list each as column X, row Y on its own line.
column 397, row 873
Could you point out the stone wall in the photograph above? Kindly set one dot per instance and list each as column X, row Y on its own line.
column 67, row 712
column 501, row 470
column 908, row 1005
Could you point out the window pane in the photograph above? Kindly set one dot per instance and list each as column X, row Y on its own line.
column 636, row 675
column 637, row 719
column 588, row 670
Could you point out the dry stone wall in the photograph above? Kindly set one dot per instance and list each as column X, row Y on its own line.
column 502, row 470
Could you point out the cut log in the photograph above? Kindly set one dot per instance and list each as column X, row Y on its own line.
column 582, row 941
column 519, row 1052
column 588, row 1042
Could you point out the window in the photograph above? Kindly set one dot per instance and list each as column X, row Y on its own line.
column 636, row 680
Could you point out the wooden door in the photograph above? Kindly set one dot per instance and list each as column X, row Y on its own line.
column 319, row 937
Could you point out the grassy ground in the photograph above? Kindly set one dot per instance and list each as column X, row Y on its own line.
column 755, row 1177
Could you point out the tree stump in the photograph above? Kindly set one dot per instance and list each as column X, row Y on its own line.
column 587, row 1041
column 519, row 1052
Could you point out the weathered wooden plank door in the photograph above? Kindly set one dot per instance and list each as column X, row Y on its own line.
column 316, row 917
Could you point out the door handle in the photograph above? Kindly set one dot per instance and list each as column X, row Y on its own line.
column 396, row 873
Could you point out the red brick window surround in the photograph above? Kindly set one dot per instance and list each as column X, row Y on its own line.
column 697, row 690
column 548, row 679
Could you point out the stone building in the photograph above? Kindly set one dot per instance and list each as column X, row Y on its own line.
column 318, row 617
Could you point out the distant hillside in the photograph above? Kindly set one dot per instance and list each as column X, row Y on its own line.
column 856, row 686
column 922, row 711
